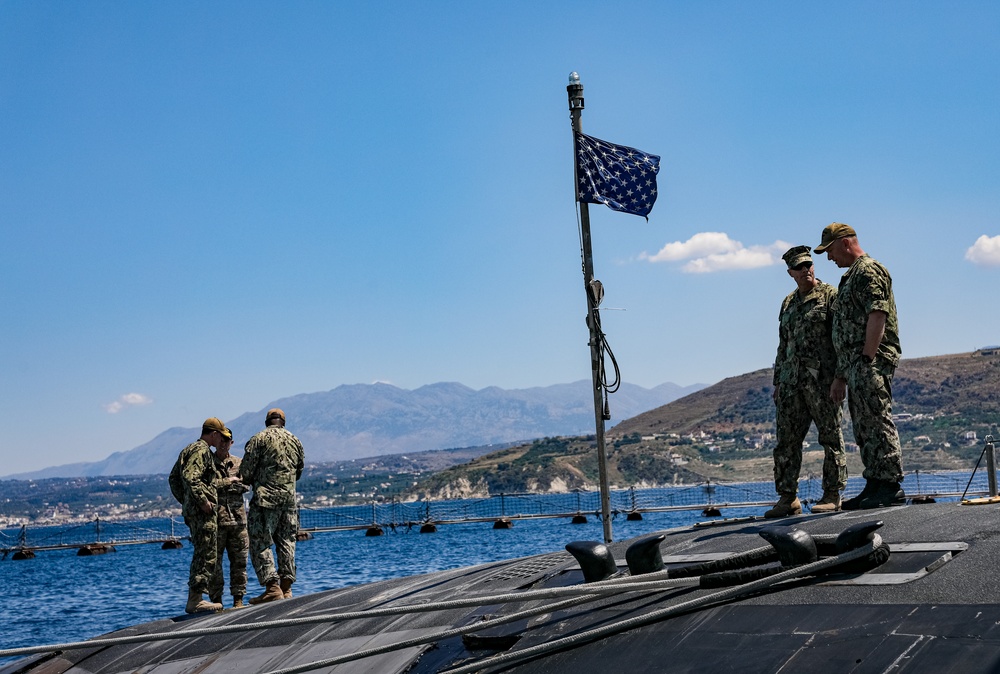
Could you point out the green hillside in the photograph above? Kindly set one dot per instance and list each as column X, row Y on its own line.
column 945, row 406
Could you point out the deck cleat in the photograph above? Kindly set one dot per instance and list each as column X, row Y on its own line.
column 794, row 546
column 595, row 560
column 644, row 556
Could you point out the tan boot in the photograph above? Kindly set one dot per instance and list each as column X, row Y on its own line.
column 197, row 604
column 238, row 601
column 286, row 587
column 271, row 593
column 787, row 505
column 830, row 503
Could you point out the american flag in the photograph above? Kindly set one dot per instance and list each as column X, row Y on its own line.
column 620, row 177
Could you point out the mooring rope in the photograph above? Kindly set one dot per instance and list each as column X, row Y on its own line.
column 437, row 636
column 609, row 586
column 654, row 616
column 648, row 584
column 618, row 584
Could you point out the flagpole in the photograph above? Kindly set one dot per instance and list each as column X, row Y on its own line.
column 593, row 291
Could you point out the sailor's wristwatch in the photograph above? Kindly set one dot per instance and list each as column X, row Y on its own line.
column 867, row 360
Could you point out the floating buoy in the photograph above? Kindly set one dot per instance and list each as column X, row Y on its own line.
column 24, row 553
column 92, row 549
column 920, row 500
column 374, row 530
column 503, row 523
column 981, row 501
column 634, row 516
column 303, row 536
column 711, row 511
column 579, row 519
column 428, row 528
column 171, row 545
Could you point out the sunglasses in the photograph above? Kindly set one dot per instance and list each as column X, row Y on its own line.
column 803, row 266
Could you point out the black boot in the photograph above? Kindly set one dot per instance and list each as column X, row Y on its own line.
column 855, row 502
column 885, row 494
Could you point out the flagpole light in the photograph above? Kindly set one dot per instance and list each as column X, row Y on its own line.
column 575, row 90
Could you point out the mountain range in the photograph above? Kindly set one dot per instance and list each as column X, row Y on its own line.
column 366, row 420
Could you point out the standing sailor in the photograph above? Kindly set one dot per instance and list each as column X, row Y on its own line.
column 196, row 471
column 866, row 336
column 272, row 463
column 233, row 541
column 803, row 372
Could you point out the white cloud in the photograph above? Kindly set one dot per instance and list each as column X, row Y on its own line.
column 745, row 258
column 985, row 251
column 699, row 245
column 714, row 251
column 127, row 400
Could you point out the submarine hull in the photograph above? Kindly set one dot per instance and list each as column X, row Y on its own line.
column 933, row 606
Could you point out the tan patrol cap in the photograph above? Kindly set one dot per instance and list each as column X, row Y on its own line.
column 793, row 257
column 832, row 232
column 227, row 434
column 213, row 424
column 274, row 413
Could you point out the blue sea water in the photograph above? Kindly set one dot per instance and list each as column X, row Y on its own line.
column 59, row 597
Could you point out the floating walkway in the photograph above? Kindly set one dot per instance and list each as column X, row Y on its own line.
column 93, row 538
column 501, row 511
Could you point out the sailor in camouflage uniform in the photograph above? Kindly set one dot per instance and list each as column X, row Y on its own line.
column 272, row 463
column 233, row 540
column 803, row 371
column 866, row 336
column 197, row 471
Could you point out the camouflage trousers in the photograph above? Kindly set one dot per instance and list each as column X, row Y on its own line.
column 235, row 543
column 869, row 398
column 799, row 406
column 204, row 559
column 279, row 525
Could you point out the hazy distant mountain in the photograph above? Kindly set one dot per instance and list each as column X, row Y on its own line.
column 363, row 420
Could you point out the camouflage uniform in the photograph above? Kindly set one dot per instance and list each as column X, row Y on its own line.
column 866, row 287
column 199, row 475
column 232, row 521
column 803, row 371
column 272, row 463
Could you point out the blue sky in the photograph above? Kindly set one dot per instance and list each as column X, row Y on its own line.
column 209, row 206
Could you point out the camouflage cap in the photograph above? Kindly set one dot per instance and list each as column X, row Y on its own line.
column 795, row 256
column 832, row 232
column 274, row 413
column 213, row 424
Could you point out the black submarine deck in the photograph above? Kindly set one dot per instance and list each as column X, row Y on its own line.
column 934, row 606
